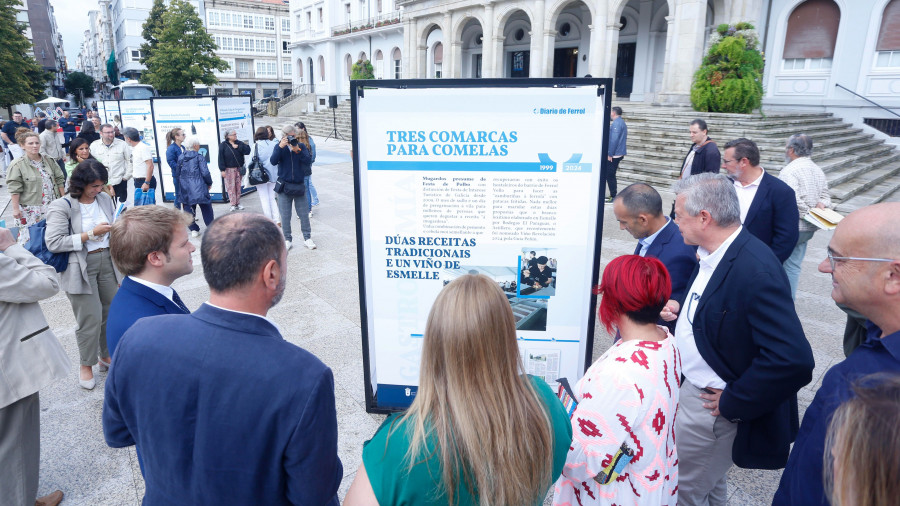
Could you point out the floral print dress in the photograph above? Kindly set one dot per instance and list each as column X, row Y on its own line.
column 34, row 214
column 627, row 398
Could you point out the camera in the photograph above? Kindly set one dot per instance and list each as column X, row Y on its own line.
column 294, row 142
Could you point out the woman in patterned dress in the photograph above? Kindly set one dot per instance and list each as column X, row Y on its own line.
column 34, row 182
column 623, row 447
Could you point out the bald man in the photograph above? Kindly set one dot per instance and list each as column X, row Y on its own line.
column 864, row 263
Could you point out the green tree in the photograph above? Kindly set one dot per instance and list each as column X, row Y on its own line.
column 362, row 69
column 730, row 78
column 184, row 53
column 80, row 84
column 150, row 29
column 23, row 80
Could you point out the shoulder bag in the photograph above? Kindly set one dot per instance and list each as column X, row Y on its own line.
column 256, row 173
column 38, row 246
column 290, row 189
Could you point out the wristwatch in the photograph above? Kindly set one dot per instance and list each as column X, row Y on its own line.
column 92, row 237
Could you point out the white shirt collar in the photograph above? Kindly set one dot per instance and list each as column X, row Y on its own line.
column 754, row 183
column 647, row 241
column 710, row 260
column 266, row 318
column 165, row 291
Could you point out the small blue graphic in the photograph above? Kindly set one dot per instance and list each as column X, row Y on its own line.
column 573, row 164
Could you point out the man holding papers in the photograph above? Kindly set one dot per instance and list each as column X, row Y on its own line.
column 811, row 189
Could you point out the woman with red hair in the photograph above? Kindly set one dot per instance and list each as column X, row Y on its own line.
column 623, row 446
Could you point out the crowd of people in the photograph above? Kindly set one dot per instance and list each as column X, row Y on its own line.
column 703, row 375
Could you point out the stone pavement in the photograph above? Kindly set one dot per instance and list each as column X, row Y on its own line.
column 320, row 312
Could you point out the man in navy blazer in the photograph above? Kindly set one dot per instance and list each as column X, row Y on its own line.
column 768, row 205
column 150, row 246
column 743, row 352
column 639, row 210
column 225, row 410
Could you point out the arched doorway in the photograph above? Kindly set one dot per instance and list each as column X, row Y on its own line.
column 396, row 63
column 472, row 38
column 517, row 45
column 572, row 40
column 434, row 53
column 379, row 64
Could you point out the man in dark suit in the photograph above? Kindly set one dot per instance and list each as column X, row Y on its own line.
column 638, row 209
column 743, row 352
column 150, row 246
column 225, row 410
column 768, row 205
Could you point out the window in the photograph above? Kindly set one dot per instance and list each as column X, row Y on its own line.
column 243, row 69
column 362, row 13
column 284, row 47
column 286, row 70
column 321, row 19
column 812, row 30
column 348, row 62
column 379, row 65
column 285, row 24
column 438, row 55
column 379, row 6
column 248, row 22
column 321, row 66
column 212, row 18
column 395, row 56
column 308, row 19
column 270, row 24
column 270, row 46
column 887, row 59
column 266, row 69
column 346, row 13
column 136, row 55
column 807, row 63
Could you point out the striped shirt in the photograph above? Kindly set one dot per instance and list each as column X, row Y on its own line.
column 810, row 186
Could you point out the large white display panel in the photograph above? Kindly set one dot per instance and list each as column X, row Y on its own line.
column 138, row 114
column 477, row 176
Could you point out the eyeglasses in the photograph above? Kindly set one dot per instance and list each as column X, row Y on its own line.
column 834, row 260
column 725, row 160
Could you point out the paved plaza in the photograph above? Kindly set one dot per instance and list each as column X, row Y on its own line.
column 320, row 312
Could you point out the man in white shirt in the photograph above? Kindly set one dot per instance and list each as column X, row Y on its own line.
column 811, row 190
column 116, row 156
column 141, row 161
column 743, row 352
column 767, row 205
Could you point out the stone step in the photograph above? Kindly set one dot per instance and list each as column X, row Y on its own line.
column 886, row 191
column 716, row 125
column 819, row 134
column 865, row 181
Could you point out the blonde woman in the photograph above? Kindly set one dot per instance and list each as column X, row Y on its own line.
column 478, row 431
column 862, row 467
column 34, row 181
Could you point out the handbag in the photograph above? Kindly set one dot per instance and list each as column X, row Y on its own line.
column 144, row 198
column 241, row 168
column 290, row 189
column 38, row 246
column 257, row 174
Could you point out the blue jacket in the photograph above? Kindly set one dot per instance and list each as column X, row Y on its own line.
column 747, row 330
column 773, row 216
column 173, row 154
column 67, row 125
column 292, row 167
column 132, row 302
column 679, row 259
column 225, row 411
column 618, row 137
column 193, row 179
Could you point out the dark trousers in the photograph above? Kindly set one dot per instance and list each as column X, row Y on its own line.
column 205, row 209
column 139, row 181
column 121, row 191
column 62, row 167
column 67, row 138
column 612, row 167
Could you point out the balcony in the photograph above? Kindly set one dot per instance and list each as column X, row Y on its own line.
column 362, row 25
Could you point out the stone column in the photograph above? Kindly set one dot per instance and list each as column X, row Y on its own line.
column 409, row 36
column 422, row 61
column 537, row 63
column 550, row 51
column 448, row 66
column 687, row 36
column 643, row 59
column 595, row 53
column 612, row 50
column 487, row 42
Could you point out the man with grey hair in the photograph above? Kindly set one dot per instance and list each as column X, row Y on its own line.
column 811, row 190
column 743, row 352
column 141, row 162
column 116, row 156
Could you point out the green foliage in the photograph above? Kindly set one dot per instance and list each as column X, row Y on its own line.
column 78, row 82
column 184, row 52
column 22, row 79
column 730, row 77
column 362, row 69
column 150, row 28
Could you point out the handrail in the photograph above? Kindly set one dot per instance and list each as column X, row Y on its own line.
column 867, row 100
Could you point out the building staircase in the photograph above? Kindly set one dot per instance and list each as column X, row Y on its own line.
column 861, row 169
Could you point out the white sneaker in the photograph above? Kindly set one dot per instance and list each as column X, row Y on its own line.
column 240, row 207
column 310, row 214
column 195, row 233
column 233, row 208
column 310, row 244
column 288, row 245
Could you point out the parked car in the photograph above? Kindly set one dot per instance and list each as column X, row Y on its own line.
column 75, row 113
column 262, row 104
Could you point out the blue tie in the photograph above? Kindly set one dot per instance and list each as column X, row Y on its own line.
column 179, row 303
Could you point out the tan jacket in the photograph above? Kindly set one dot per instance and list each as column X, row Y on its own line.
column 50, row 145
column 27, row 364
column 61, row 213
column 23, row 179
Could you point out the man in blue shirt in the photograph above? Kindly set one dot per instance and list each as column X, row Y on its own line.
column 68, row 127
column 618, row 137
column 864, row 263
column 9, row 129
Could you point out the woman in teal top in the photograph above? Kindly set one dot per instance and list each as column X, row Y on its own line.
column 478, row 431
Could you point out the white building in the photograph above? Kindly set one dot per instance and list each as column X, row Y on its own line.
column 253, row 37
column 651, row 47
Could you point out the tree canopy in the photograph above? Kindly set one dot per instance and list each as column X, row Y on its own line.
column 184, row 52
column 150, row 28
column 24, row 80
column 78, row 82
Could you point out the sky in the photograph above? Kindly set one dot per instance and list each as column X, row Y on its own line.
column 72, row 21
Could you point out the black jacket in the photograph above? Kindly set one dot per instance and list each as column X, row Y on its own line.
column 747, row 330
column 707, row 159
column 232, row 157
